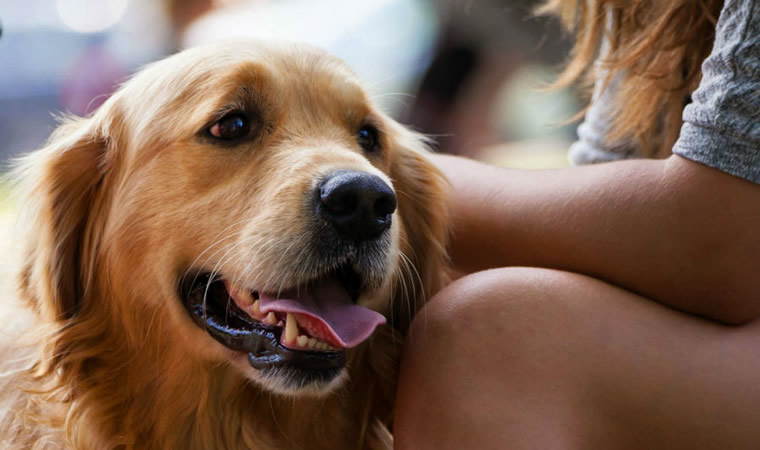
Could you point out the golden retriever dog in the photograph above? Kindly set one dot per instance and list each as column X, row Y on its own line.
column 225, row 255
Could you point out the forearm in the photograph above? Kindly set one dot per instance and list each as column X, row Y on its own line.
column 672, row 230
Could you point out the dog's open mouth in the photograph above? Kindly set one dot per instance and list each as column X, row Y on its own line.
column 306, row 328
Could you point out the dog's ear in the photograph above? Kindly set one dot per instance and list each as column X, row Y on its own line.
column 59, row 185
column 421, row 193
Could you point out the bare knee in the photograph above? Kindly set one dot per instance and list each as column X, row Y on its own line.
column 500, row 307
column 479, row 358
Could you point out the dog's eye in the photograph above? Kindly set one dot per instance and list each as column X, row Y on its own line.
column 367, row 138
column 232, row 126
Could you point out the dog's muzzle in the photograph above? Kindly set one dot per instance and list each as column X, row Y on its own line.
column 358, row 205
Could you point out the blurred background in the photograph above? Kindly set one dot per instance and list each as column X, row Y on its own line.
column 463, row 71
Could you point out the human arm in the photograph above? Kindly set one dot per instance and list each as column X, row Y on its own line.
column 675, row 230
column 672, row 230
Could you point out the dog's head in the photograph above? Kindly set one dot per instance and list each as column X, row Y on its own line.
column 239, row 203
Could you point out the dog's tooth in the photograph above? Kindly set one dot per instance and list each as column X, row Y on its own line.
column 256, row 308
column 291, row 329
column 270, row 319
column 312, row 343
column 303, row 341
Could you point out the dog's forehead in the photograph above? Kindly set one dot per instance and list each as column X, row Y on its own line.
column 299, row 73
column 203, row 80
column 221, row 69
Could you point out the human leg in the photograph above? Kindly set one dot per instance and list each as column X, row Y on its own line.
column 537, row 358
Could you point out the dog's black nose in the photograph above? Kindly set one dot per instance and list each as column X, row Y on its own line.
column 358, row 204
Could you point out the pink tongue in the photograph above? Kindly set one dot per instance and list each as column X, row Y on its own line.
column 330, row 313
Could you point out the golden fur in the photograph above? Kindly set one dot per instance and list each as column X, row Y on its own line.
column 657, row 47
column 96, row 350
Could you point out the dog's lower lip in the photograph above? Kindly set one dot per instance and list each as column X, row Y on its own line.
column 239, row 332
column 305, row 360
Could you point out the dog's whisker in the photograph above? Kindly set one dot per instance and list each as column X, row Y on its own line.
column 396, row 280
column 299, row 276
column 257, row 247
column 400, row 279
column 407, row 263
column 216, row 242
column 375, row 84
column 284, row 255
column 212, row 277
column 215, row 270
column 265, row 261
column 394, row 96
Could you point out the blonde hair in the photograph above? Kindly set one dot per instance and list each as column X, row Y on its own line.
column 654, row 48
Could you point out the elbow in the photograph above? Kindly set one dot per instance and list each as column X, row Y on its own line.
column 725, row 288
column 735, row 308
column 738, row 318
column 733, row 318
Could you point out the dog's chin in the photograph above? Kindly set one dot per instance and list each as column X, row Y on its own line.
column 261, row 344
column 290, row 381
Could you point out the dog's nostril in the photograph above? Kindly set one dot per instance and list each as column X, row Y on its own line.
column 358, row 204
column 385, row 205
column 339, row 201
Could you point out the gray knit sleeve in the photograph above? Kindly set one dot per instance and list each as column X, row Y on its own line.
column 722, row 124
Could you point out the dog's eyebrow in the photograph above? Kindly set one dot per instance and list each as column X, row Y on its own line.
column 243, row 98
column 360, row 119
column 226, row 109
column 361, row 114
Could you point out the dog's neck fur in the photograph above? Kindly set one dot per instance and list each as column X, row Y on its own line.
column 92, row 377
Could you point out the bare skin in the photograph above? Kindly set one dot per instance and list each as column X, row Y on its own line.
column 634, row 328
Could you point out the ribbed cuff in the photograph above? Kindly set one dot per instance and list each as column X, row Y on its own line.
column 720, row 151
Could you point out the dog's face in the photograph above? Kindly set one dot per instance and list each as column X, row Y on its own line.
column 254, row 200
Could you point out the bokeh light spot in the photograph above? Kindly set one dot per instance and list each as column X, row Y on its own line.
column 90, row 16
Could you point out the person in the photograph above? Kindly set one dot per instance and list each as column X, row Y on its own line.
column 611, row 305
